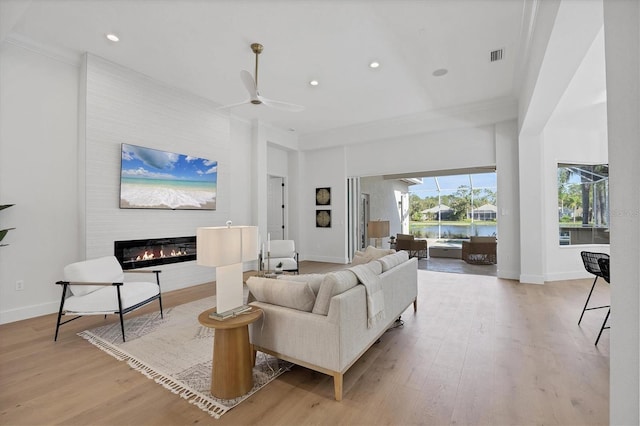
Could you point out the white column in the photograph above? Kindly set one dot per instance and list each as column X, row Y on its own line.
column 622, row 52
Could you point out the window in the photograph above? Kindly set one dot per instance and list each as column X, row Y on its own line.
column 583, row 203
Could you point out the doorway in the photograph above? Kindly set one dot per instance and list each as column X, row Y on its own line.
column 276, row 208
column 363, row 220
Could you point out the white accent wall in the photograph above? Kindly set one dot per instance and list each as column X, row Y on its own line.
column 62, row 125
column 123, row 106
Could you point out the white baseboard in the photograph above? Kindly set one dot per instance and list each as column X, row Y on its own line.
column 531, row 279
column 26, row 312
column 508, row 275
column 572, row 275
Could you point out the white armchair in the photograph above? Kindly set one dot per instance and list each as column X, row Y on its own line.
column 97, row 287
column 282, row 251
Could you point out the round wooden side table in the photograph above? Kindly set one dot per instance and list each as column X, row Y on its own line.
column 233, row 358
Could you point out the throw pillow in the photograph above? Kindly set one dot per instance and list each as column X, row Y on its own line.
column 360, row 258
column 391, row 260
column 333, row 283
column 290, row 294
column 314, row 280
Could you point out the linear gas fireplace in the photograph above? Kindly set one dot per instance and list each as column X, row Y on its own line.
column 134, row 254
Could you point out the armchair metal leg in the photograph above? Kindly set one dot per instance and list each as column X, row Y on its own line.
column 159, row 292
column 120, row 312
column 64, row 291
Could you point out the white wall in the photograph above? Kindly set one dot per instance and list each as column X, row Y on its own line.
column 565, row 32
column 506, row 136
column 442, row 150
column 323, row 168
column 38, row 154
column 579, row 137
column 383, row 202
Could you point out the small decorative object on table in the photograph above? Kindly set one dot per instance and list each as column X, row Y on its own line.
column 278, row 268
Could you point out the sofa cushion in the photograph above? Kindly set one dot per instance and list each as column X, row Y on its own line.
column 391, row 260
column 314, row 280
column 105, row 299
column 333, row 283
column 290, row 294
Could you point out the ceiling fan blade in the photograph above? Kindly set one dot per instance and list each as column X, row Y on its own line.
column 249, row 83
column 234, row 105
column 285, row 106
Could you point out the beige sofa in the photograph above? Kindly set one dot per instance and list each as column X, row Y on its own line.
column 325, row 322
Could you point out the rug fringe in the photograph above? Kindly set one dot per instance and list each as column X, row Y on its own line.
column 206, row 404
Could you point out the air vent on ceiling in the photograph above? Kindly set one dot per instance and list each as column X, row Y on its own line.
column 496, row 55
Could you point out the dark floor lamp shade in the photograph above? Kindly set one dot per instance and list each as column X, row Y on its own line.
column 378, row 229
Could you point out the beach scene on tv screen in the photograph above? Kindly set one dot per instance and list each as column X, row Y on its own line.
column 155, row 179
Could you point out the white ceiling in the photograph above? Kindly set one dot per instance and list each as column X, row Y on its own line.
column 201, row 46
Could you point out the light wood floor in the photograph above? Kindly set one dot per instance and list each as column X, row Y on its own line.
column 480, row 350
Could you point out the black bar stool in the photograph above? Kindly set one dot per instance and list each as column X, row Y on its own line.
column 590, row 261
column 603, row 263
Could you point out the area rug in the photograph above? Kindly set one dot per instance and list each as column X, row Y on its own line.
column 176, row 351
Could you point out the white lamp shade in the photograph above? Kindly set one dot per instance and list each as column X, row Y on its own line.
column 226, row 247
column 222, row 245
column 249, row 243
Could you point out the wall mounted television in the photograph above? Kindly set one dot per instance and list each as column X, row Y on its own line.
column 154, row 179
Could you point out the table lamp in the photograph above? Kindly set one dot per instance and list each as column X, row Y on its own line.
column 225, row 248
column 378, row 229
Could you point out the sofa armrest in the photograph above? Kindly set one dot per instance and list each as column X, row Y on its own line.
column 87, row 283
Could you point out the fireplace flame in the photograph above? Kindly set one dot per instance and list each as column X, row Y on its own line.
column 149, row 256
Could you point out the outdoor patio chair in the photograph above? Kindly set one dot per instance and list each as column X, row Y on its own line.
column 415, row 248
column 480, row 250
column 591, row 264
column 603, row 263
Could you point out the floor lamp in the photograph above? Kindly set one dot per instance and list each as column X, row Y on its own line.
column 378, row 229
column 225, row 248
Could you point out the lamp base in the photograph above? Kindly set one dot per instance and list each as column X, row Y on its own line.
column 231, row 313
column 229, row 287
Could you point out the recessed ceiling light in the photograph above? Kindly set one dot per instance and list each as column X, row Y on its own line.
column 440, row 72
column 374, row 64
column 314, row 82
column 112, row 37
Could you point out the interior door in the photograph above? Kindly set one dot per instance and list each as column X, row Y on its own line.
column 276, row 208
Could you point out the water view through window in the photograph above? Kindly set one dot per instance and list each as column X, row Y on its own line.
column 454, row 207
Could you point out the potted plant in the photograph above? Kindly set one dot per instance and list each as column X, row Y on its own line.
column 3, row 232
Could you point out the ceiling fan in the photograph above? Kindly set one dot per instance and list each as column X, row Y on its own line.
column 251, row 85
